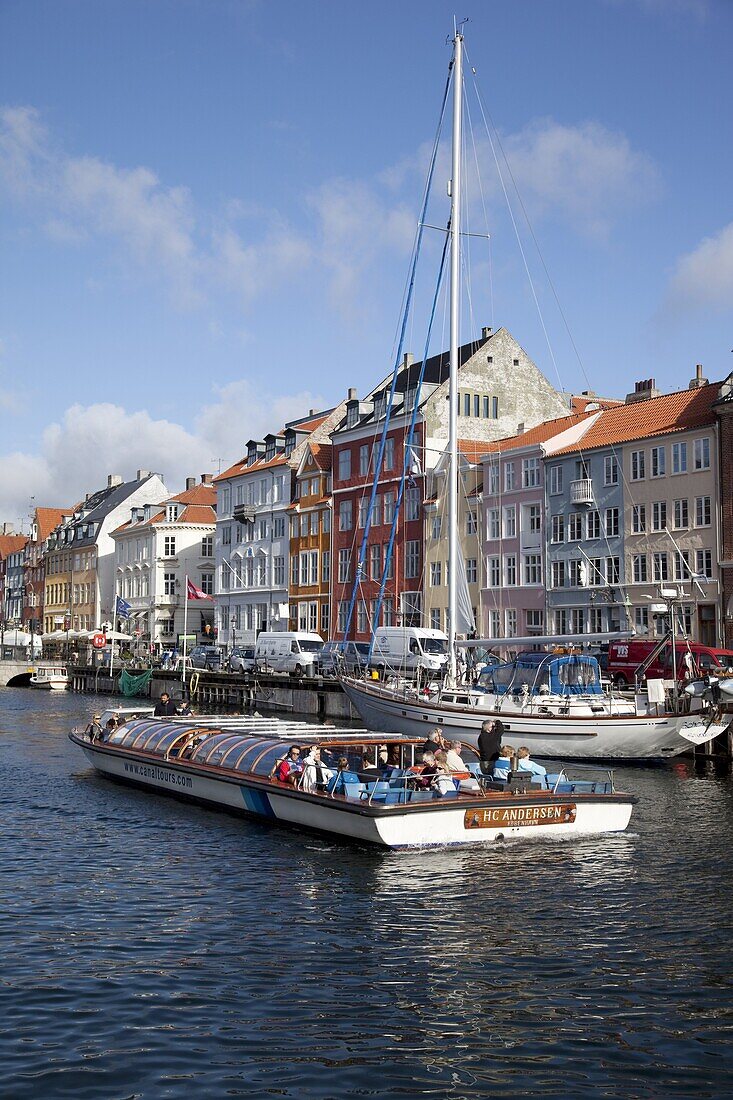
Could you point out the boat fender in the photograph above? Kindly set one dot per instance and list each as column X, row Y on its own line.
column 193, row 685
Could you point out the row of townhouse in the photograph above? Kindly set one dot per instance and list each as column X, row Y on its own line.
column 586, row 517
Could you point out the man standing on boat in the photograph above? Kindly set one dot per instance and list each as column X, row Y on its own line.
column 489, row 743
column 165, row 707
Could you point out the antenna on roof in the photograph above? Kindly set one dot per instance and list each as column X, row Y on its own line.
column 218, row 461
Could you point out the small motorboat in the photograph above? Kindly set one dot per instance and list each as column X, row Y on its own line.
column 355, row 799
column 50, row 677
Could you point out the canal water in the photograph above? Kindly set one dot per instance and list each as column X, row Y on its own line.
column 154, row 949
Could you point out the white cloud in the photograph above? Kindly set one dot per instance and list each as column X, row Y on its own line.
column 703, row 279
column 76, row 454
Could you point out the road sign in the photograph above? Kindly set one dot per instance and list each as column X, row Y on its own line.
column 99, row 641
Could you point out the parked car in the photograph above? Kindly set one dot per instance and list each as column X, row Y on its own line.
column 242, row 659
column 206, row 656
column 351, row 657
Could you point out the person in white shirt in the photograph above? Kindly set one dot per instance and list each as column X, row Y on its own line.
column 315, row 774
column 453, row 759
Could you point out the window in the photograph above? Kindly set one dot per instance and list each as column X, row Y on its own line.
column 638, row 465
column 169, row 584
column 641, row 619
column 492, row 477
column 510, row 522
column 494, row 624
column 679, row 458
column 343, row 614
column 471, row 570
column 326, row 566
column 435, row 573
column 575, row 527
column 278, row 488
column 169, row 546
column 363, row 509
column 593, row 525
column 377, row 512
column 412, row 504
column 325, row 521
column 263, row 490
column 278, row 571
column 344, row 465
column 638, row 565
column 535, row 621
column 682, row 565
column 704, row 562
column 658, row 462
column 558, row 574
column 493, row 572
column 702, row 511
column 388, row 507
column 388, row 612
column 534, row 519
column 681, row 514
column 530, row 472
column 611, row 522
column 486, row 408
column 555, row 480
column 582, row 469
column 375, row 561
column 344, row 565
column 660, row 566
column 471, row 523
column 610, row 470
column 510, row 570
column 207, row 546
column 595, row 571
column 638, row 519
column 577, row 573
column 508, row 476
column 659, row 515
column 207, row 583
column 412, row 558
column 226, row 536
column 467, row 404
column 558, row 529
column 702, row 454
column 533, row 569
column 345, row 515
column 388, row 559
column 494, row 408
column 435, row 618
column 493, row 530
column 613, row 570
column 364, row 457
column 325, row 619
column 476, row 405
column 510, row 618
column 361, row 617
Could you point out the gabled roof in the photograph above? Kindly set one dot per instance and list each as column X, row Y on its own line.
column 241, row 467
column 472, row 449
column 10, row 543
column 581, row 402
column 49, row 518
column 673, row 412
column 539, row 434
column 200, row 494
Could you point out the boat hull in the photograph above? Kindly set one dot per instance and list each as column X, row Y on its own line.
column 597, row 738
column 472, row 821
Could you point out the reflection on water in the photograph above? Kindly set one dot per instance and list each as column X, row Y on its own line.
column 154, row 948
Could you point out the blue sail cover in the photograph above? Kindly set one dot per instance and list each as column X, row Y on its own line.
column 543, row 673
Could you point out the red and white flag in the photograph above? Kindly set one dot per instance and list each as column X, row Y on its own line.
column 195, row 593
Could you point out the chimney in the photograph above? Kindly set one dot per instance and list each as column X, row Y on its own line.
column 351, row 395
column 190, row 483
column 699, row 380
column 485, row 333
column 643, row 391
column 311, row 412
column 520, row 427
column 408, row 359
column 143, row 474
column 113, row 480
column 206, row 479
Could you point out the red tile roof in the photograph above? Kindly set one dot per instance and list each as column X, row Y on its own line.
column 241, row 467
column 673, row 412
column 539, row 434
column 200, row 494
column 580, row 402
column 10, row 543
column 49, row 518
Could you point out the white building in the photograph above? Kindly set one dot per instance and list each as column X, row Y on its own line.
column 253, row 530
column 156, row 549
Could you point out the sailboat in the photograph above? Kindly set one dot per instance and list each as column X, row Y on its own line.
column 555, row 703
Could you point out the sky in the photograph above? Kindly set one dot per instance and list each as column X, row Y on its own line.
column 208, row 207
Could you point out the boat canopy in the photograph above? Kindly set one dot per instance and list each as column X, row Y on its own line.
column 254, row 754
column 545, row 673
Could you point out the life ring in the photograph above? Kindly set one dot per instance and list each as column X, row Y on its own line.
column 193, row 684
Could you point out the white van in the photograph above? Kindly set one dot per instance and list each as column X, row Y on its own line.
column 407, row 649
column 291, row 651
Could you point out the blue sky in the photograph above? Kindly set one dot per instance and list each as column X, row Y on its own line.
column 208, row 208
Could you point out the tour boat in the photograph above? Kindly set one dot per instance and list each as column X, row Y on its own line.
column 578, row 721
column 50, row 677
column 234, row 770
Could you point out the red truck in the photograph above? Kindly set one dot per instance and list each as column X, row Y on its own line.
column 625, row 657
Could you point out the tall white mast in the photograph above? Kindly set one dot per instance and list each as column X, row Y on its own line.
column 455, row 272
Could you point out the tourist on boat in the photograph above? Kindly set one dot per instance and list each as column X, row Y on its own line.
column 489, row 742
column 453, row 759
column 435, row 741
column 527, row 765
column 315, row 774
column 429, row 771
column 165, row 706
column 289, row 768
column 184, row 710
column 366, row 763
column 94, row 729
column 503, row 765
column 108, row 730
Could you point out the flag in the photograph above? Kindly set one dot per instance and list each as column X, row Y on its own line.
column 122, row 608
column 195, row 593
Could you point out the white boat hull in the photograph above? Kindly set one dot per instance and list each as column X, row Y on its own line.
column 595, row 738
column 474, row 821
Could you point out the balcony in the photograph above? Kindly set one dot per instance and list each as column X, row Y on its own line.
column 581, row 492
column 245, row 513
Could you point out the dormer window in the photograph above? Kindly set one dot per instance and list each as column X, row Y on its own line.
column 251, row 455
column 380, row 405
column 289, row 445
column 171, row 513
column 270, row 450
column 410, row 398
column 352, row 414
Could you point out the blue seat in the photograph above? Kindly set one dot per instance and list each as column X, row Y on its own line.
column 338, row 783
column 354, row 791
column 395, row 797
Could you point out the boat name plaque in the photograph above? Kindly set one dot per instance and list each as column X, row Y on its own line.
column 503, row 817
